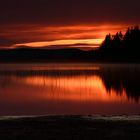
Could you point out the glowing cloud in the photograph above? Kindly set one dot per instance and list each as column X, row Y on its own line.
column 62, row 42
column 43, row 36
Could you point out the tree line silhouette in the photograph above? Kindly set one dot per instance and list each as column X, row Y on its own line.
column 122, row 46
column 119, row 48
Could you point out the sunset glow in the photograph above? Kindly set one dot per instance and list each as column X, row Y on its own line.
column 63, row 24
column 73, row 35
column 94, row 42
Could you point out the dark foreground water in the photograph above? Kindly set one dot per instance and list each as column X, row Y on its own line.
column 69, row 89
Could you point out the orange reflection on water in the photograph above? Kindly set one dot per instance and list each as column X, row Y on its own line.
column 61, row 94
column 76, row 88
column 63, row 89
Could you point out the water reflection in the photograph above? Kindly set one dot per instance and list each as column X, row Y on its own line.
column 69, row 89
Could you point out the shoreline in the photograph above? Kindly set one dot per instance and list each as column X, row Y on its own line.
column 84, row 117
column 70, row 127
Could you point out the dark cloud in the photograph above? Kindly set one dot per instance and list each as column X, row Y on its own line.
column 4, row 42
column 69, row 11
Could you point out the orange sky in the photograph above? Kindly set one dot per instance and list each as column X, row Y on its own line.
column 43, row 36
column 74, row 34
column 41, row 23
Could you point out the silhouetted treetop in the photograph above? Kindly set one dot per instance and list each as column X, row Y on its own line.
column 122, row 47
column 118, row 42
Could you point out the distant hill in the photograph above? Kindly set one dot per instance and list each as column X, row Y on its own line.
column 42, row 55
column 81, row 46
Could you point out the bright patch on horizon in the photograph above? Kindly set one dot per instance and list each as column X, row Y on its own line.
column 94, row 42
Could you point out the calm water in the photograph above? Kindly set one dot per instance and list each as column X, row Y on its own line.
column 70, row 89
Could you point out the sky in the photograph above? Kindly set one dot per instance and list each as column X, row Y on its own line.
column 55, row 23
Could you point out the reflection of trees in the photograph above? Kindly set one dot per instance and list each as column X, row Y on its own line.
column 119, row 79
column 116, row 78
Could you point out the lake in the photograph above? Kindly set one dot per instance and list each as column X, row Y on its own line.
column 69, row 89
